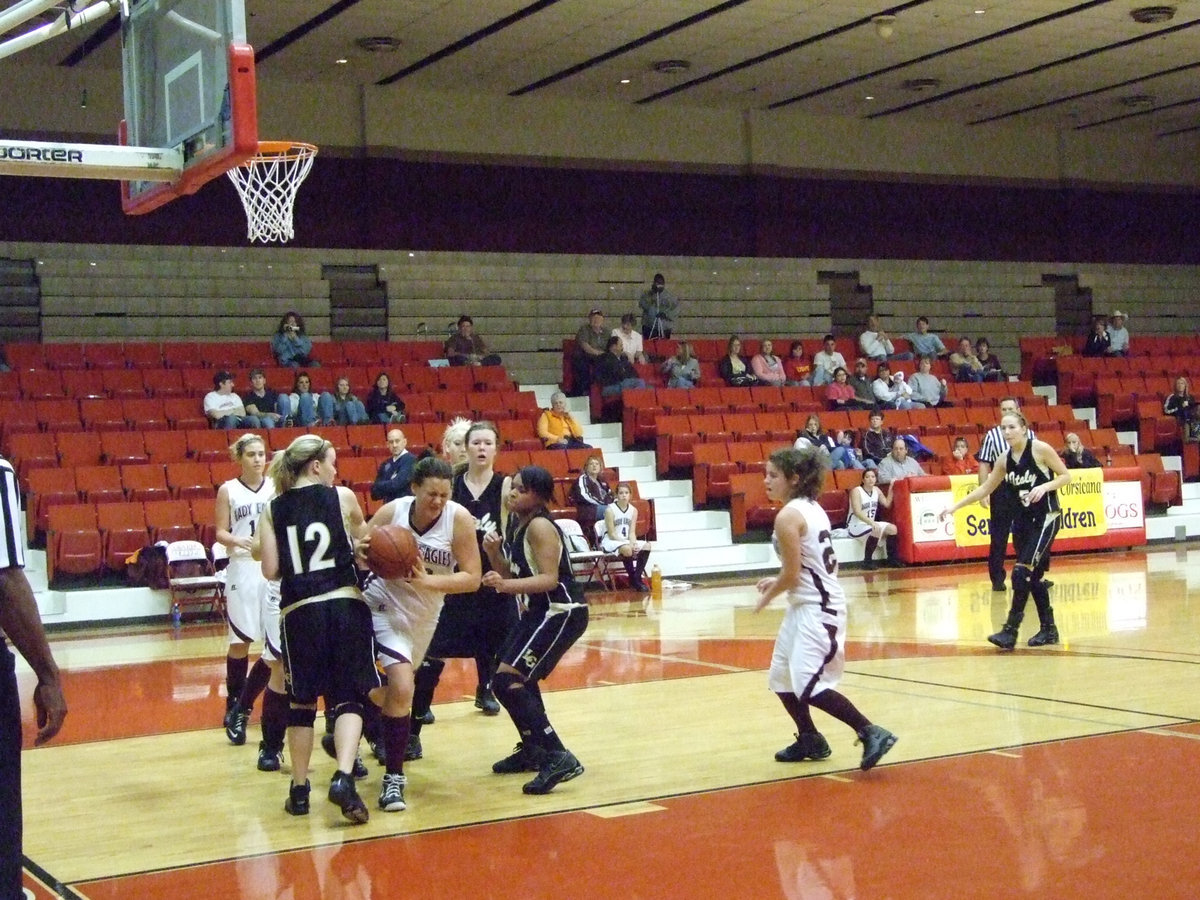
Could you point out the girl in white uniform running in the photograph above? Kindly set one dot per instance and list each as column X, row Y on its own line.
column 865, row 500
column 618, row 534
column 809, row 654
column 405, row 610
column 252, row 605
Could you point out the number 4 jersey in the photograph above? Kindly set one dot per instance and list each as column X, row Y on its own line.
column 818, row 563
column 316, row 561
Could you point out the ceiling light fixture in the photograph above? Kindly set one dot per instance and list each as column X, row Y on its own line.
column 1136, row 101
column 1152, row 15
column 885, row 26
column 670, row 66
column 341, row 62
column 624, row 81
column 917, row 85
column 380, row 43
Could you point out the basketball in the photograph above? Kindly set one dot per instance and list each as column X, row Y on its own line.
column 392, row 552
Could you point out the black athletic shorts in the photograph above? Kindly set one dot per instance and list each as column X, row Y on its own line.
column 328, row 650
column 539, row 641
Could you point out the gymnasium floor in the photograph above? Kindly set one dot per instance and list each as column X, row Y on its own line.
column 1063, row 772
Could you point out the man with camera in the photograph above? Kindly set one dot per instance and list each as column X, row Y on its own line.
column 659, row 308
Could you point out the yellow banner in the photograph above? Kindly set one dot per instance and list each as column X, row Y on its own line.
column 1082, row 503
column 971, row 522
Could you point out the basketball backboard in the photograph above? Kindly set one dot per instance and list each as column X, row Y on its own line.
column 189, row 85
column 189, row 90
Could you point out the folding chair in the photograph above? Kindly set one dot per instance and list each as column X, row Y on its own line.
column 587, row 564
column 191, row 577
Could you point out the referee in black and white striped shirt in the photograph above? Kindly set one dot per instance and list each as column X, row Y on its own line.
column 1003, row 502
column 21, row 622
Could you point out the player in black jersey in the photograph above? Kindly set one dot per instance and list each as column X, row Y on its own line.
column 325, row 627
column 1033, row 471
column 538, row 569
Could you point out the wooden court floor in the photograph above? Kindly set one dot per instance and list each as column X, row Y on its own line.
column 1061, row 772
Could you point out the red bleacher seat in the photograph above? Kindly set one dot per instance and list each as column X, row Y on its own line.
column 170, row 520
column 123, row 448
column 73, row 544
column 123, row 384
column 79, row 449
column 145, row 482
column 104, row 355
column 164, row 383
column 64, row 356
column 99, row 484
column 123, row 532
column 47, row 488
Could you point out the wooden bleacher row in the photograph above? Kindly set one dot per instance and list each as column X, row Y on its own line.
column 37, row 451
column 708, row 351
column 641, row 408
column 94, row 517
column 1042, row 356
column 713, row 458
column 165, row 383
column 750, row 509
column 77, row 355
column 152, row 417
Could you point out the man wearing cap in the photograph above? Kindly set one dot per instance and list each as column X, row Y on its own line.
column 591, row 340
column 864, row 392
column 1118, row 335
column 659, row 308
column 224, row 408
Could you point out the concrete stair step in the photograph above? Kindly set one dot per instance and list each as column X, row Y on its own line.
column 665, row 505
column 684, row 562
column 666, row 488
column 715, row 537
column 689, row 520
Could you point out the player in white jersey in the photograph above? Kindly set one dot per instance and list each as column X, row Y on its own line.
column 618, row 534
column 865, row 500
column 252, row 608
column 810, row 654
column 405, row 611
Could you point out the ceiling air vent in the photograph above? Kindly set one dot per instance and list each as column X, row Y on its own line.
column 1152, row 15
column 1136, row 101
column 918, row 85
column 671, row 66
column 378, row 44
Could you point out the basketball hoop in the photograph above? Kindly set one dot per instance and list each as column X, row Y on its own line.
column 267, row 184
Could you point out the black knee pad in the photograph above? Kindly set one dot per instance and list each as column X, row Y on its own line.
column 506, row 681
column 353, row 707
column 1021, row 577
column 301, row 716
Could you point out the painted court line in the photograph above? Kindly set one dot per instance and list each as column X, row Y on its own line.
column 663, row 657
column 635, row 808
column 1005, row 753
column 1175, row 734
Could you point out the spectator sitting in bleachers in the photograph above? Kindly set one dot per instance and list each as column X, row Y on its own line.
column 631, row 341
column 557, row 427
column 394, row 479
column 898, row 464
column 465, row 348
column 860, row 381
column 925, row 342
column 826, row 361
column 1077, row 456
column 302, row 405
column 964, row 363
column 734, row 370
column 840, row 395
column 891, row 391
column 797, row 370
column 591, row 494
column 876, row 440
column 383, row 406
column 767, row 367
column 341, row 407
column 614, row 372
column 682, row 369
column 291, row 346
column 1182, row 405
column 591, row 342
column 268, row 406
column 961, row 462
column 224, row 408
column 992, row 369
column 1098, row 342
column 927, row 389
column 876, row 344
column 1118, row 335
column 839, row 453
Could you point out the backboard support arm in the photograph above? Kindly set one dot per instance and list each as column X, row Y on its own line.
column 53, row 159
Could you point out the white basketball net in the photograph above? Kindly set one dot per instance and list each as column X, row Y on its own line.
column 267, row 184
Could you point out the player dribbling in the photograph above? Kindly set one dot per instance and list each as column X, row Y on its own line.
column 404, row 611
